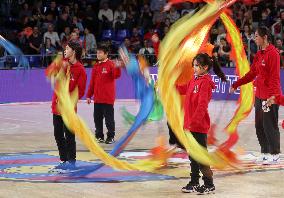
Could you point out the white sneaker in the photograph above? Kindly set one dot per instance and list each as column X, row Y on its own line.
column 272, row 160
column 262, row 158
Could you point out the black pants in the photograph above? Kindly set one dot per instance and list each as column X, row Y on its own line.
column 173, row 139
column 196, row 167
column 102, row 111
column 266, row 125
column 65, row 140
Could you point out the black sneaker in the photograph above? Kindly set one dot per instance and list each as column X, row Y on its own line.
column 204, row 189
column 190, row 188
column 109, row 140
column 100, row 140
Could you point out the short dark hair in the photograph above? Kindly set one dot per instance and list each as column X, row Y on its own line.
column 103, row 48
column 77, row 48
column 264, row 31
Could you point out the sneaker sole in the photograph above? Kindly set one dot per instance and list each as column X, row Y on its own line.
column 58, row 171
column 188, row 191
column 271, row 163
column 110, row 142
column 206, row 193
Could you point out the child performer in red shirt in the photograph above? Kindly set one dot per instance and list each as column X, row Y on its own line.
column 65, row 140
column 102, row 87
column 196, row 118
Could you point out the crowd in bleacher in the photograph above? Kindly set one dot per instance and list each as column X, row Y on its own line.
column 44, row 27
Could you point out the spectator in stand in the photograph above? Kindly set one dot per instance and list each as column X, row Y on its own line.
column 165, row 23
column 91, row 19
column 25, row 11
column 173, row 15
column 52, row 10
column 75, row 29
column 64, row 37
column 37, row 15
column 128, row 45
column 187, row 8
column 265, row 21
column 63, row 22
column 168, row 22
column 75, row 10
column 213, row 35
column 105, row 17
column 48, row 20
column 119, row 18
column 130, row 9
column 280, row 47
column 25, row 22
column 146, row 17
column 130, row 22
column 165, row 31
column 278, row 27
column 157, row 5
column 158, row 19
column 74, row 37
column 136, row 40
column 239, row 18
column 35, row 41
column 224, row 52
column 248, row 40
column 66, row 9
column 89, row 42
column 49, row 48
column 256, row 13
column 78, row 24
column 53, row 36
column 65, row 34
column 247, row 20
column 149, row 34
column 148, row 52
column 221, row 34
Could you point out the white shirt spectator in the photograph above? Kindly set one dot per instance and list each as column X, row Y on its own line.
column 53, row 36
column 106, row 13
column 144, row 49
column 119, row 16
column 91, row 43
column 219, row 37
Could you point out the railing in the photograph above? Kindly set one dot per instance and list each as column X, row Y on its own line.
column 42, row 61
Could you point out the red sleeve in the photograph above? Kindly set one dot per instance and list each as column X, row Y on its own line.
column 115, row 71
column 248, row 77
column 203, row 101
column 82, row 83
column 156, row 47
column 279, row 99
column 182, row 89
column 91, row 85
column 274, row 75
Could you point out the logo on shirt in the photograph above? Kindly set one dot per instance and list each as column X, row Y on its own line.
column 195, row 89
column 71, row 77
column 263, row 63
column 104, row 70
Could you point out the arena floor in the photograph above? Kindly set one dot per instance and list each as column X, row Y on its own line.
column 28, row 151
